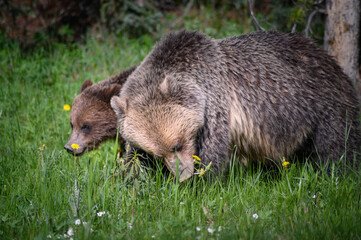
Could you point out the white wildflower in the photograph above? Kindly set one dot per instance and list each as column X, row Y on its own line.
column 198, row 229
column 153, row 236
column 181, row 203
column 70, row 231
column 219, row 228
column 255, row 216
column 210, row 230
column 100, row 213
column 314, row 196
column 77, row 222
column 49, row 236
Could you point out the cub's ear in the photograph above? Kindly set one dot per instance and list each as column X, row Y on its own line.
column 86, row 83
column 119, row 104
column 107, row 93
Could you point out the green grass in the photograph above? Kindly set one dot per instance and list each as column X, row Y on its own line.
column 43, row 192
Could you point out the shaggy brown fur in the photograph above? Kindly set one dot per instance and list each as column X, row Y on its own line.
column 91, row 118
column 271, row 94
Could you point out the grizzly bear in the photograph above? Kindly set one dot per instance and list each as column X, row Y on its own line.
column 92, row 119
column 271, row 94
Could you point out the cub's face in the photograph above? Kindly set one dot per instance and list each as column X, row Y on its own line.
column 92, row 122
column 92, row 119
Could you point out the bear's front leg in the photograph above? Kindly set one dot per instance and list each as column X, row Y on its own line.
column 213, row 144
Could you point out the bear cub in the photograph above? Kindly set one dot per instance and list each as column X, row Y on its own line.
column 92, row 119
column 271, row 94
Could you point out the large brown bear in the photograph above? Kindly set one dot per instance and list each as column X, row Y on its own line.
column 271, row 94
column 92, row 119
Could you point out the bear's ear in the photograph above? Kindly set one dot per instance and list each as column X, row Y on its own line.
column 86, row 83
column 164, row 87
column 109, row 92
column 119, row 104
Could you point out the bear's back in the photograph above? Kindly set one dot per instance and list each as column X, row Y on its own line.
column 283, row 87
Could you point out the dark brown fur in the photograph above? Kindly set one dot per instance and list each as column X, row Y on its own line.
column 92, row 119
column 271, row 94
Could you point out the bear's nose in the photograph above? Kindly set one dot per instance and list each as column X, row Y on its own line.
column 69, row 149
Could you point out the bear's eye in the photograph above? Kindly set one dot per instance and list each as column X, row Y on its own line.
column 178, row 147
column 86, row 128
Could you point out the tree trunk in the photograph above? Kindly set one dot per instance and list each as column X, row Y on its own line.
column 342, row 36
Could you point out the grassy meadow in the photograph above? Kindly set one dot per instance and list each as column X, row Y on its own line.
column 45, row 193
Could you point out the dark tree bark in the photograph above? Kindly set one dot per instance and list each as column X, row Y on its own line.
column 342, row 36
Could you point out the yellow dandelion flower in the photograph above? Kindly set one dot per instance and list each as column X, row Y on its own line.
column 285, row 163
column 43, row 145
column 67, row 107
column 196, row 157
column 74, row 146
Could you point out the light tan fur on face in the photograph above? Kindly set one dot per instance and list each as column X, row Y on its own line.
column 159, row 128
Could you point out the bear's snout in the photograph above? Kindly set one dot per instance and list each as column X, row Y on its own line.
column 80, row 149
column 69, row 149
column 77, row 152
